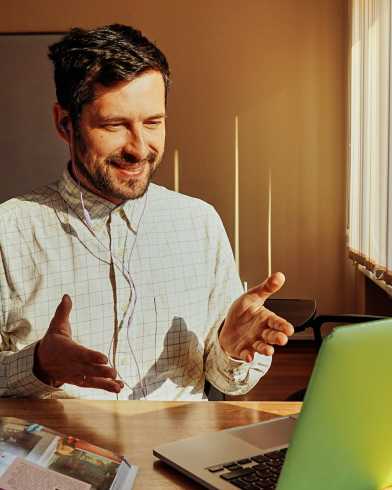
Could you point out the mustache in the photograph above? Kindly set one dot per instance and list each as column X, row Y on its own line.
column 128, row 159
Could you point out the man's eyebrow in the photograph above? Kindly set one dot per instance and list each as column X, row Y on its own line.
column 157, row 116
column 111, row 118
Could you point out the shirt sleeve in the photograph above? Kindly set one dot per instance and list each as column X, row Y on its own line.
column 16, row 375
column 228, row 375
column 16, row 365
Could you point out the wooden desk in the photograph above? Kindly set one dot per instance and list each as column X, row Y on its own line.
column 134, row 428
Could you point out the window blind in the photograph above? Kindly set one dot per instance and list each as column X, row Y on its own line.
column 370, row 172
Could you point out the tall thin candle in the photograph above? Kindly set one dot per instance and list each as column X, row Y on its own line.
column 269, row 223
column 236, row 200
column 176, row 171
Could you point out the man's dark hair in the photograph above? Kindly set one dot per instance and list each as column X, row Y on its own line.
column 105, row 55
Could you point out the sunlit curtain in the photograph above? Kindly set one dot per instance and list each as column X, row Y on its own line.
column 370, row 202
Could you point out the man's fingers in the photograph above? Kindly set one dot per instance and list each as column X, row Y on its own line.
column 270, row 286
column 93, row 357
column 277, row 323
column 271, row 336
column 112, row 385
column 99, row 371
column 60, row 321
column 64, row 308
column 263, row 348
column 82, row 355
column 89, row 362
column 77, row 370
column 246, row 355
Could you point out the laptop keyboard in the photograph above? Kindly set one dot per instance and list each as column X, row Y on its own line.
column 258, row 472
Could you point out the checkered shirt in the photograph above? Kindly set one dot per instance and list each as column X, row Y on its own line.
column 159, row 267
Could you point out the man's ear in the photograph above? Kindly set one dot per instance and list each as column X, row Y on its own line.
column 62, row 122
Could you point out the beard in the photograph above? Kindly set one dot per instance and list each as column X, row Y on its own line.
column 103, row 173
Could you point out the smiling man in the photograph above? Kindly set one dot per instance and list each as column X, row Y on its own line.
column 109, row 284
column 120, row 144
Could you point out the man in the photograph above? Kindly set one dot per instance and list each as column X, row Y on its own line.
column 145, row 276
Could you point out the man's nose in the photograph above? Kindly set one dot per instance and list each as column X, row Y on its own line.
column 136, row 145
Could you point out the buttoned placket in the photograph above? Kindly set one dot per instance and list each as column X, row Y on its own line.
column 121, row 244
column 116, row 233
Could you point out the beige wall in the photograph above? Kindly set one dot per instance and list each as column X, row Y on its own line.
column 281, row 66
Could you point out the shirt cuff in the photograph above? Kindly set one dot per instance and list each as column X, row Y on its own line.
column 21, row 380
column 234, row 376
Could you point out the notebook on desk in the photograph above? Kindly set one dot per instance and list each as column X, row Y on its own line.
column 341, row 440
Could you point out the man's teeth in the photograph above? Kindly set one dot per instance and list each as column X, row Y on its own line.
column 129, row 166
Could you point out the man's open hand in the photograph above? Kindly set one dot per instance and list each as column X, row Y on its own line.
column 59, row 359
column 250, row 327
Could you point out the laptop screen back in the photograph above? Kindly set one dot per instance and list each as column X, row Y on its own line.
column 343, row 437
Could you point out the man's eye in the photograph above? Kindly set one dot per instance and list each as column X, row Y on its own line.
column 152, row 124
column 113, row 127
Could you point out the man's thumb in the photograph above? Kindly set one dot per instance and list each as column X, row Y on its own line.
column 60, row 321
column 270, row 286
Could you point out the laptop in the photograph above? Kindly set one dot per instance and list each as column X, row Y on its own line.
column 342, row 439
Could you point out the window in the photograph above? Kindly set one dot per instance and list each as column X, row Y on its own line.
column 370, row 174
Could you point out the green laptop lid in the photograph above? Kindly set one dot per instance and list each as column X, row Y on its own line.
column 343, row 437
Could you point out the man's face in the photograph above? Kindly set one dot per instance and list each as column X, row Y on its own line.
column 120, row 138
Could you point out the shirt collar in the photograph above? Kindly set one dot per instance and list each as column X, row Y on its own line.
column 99, row 208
